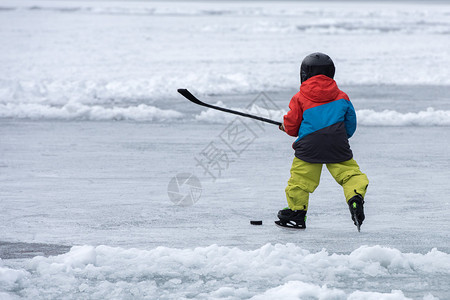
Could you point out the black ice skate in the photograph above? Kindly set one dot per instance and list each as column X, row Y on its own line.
column 294, row 219
column 356, row 206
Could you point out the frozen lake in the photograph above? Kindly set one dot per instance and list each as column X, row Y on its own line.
column 105, row 183
column 92, row 132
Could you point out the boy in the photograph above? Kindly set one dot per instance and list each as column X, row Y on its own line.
column 323, row 118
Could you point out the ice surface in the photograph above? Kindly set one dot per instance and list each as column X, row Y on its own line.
column 105, row 183
column 92, row 131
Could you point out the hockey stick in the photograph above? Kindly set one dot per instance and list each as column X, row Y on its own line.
column 193, row 99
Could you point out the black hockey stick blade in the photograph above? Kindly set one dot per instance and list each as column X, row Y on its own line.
column 194, row 99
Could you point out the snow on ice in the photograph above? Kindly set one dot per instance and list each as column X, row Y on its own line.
column 366, row 117
column 147, row 113
column 214, row 272
column 78, row 111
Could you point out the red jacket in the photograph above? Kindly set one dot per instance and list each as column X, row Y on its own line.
column 323, row 118
column 313, row 92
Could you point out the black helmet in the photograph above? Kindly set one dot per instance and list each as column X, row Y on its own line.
column 316, row 64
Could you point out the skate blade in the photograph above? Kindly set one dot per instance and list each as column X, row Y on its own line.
column 356, row 222
column 358, row 226
column 288, row 226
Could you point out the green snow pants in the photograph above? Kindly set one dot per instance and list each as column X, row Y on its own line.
column 305, row 178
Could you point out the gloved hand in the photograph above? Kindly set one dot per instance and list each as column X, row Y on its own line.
column 281, row 127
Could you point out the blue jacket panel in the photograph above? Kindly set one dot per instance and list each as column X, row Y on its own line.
column 327, row 114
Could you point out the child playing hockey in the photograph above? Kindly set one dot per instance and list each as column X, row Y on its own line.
column 323, row 119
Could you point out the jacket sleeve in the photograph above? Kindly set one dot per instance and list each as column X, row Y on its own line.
column 293, row 118
column 350, row 120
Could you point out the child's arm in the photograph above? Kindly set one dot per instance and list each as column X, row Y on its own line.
column 293, row 119
column 350, row 120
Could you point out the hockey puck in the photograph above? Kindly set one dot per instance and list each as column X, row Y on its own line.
column 256, row 222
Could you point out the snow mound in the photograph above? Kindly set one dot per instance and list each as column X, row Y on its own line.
column 295, row 290
column 9, row 280
column 366, row 117
column 429, row 117
column 219, row 117
column 214, row 272
column 62, row 91
column 78, row 111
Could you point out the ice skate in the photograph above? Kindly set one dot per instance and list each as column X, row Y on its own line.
column 294, row 219
column 356, row 206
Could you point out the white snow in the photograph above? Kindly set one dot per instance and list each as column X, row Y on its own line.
column 148, row 113
column 78, row 111
column 294, row 290
column 215, row 116
column 102, row 187
column 9, row 279
column 366, row 117
column 430, row 117
column 270, row 272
